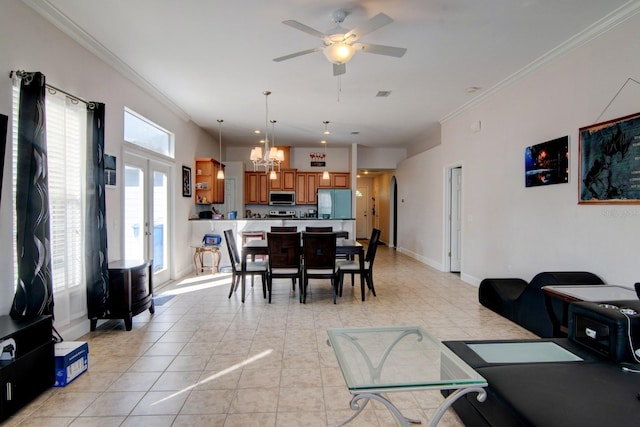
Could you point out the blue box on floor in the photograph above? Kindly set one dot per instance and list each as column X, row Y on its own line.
column 72, row 359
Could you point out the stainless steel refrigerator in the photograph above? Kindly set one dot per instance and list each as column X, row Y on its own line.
column 334, row 204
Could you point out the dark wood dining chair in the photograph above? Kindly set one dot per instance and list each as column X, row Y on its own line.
column 319, row 254
column 318, row 229
column 284, row 229
column 253, row 268
column 284, row 258
column 353, row 266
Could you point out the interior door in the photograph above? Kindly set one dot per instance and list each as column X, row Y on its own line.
column 456, row 219
column 147, row 221
column 362, row 213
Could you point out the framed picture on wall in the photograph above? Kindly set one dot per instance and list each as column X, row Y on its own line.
column 610, row 162
column 186, row 181
column 547, row 163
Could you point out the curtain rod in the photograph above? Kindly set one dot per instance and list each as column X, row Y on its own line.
column 22, row 74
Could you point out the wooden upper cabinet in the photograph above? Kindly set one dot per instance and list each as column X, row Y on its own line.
column 306, row 188
column 324, row 183
column 312, row 188
column 208, row 189
column 336, row 180
column 256, row 188
column 340, row 180
column 289, row 179
column 285, row 181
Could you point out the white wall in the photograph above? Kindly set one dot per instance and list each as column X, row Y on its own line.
column 380, row 158
column 30, row 43
column 510, row 230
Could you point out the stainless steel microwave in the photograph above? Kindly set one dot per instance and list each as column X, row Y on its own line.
column 282, row 198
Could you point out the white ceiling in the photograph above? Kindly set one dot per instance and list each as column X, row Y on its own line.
column 212, row 59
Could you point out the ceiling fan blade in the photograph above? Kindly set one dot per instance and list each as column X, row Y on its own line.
column 339, row 69
column 304, row 28
column 296, row 54
column 380, row 20
column 380, row 49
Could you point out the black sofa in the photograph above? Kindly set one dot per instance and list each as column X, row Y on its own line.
column 595, row 392
column 523, row 303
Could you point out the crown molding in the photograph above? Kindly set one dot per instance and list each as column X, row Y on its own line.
column 45, row 9
column 600, row 27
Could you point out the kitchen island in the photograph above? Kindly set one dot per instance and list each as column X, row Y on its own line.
column 200, row 227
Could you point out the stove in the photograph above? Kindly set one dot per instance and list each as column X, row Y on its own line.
column 282, row 214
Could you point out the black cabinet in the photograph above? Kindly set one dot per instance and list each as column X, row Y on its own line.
column 130, row 291
column 32, row 370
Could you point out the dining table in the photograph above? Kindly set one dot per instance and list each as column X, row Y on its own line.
column 348, row 247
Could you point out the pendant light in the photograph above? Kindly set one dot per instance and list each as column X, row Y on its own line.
column 220, row 171
column 325, row 174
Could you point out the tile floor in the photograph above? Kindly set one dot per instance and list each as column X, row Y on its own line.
column 206, row 360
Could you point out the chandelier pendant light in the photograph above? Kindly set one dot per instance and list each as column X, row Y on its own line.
column 272, row 157
column 220, row 170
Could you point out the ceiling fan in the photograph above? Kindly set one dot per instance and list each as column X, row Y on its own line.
column 339, row 44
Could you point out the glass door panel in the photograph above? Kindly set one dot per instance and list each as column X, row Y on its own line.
column 147, row 222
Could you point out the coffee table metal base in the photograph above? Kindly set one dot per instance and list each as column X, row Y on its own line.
column 403, row 420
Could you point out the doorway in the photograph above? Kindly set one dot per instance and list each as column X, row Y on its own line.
column 362, row 213
column 453, row 225
column 146, row 215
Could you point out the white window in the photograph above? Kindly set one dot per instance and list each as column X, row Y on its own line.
column 66, row 147
column 146, row 134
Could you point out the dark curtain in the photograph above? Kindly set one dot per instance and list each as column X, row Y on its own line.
column 34, row 294
column 97, row 274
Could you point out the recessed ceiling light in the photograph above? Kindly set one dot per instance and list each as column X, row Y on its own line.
column 257, row 131
column 472, row 89
column 355, row 132
column 383, row 93
column 323, row 142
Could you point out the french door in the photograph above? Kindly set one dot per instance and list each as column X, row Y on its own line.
column 146, row 213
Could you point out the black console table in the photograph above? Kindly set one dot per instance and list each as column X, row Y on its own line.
column 32, row 370
column 130, row 291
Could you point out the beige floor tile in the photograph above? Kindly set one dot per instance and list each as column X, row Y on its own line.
column 251, row 420
column 68, row 404
column 247, row 400
column 296, row 398
column 208, row 402
column 161, row 403
column 151, row 364
column 113, row 403
column 135, row 381
column 204, row 420
column 97, row 422
column 301, row 419
column 175, row 381
column 149, row 421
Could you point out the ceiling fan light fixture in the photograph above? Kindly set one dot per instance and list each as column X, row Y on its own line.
column 339, row 53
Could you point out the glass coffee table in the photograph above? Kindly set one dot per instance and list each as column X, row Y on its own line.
column 376, row 361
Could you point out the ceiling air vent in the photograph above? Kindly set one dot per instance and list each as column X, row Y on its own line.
column 383, row 93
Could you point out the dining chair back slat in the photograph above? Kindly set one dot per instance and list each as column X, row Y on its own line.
column 318, row 229
column 284, row 229
column 319, row 254
column 237, row 272
column 283, row 258
column 353, row 267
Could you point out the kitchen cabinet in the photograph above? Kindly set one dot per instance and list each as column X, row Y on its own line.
column 340, row 180
column 208, row 189
column 306, row 188
column 31, row 371
column 256, row 188
column 285, row 181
